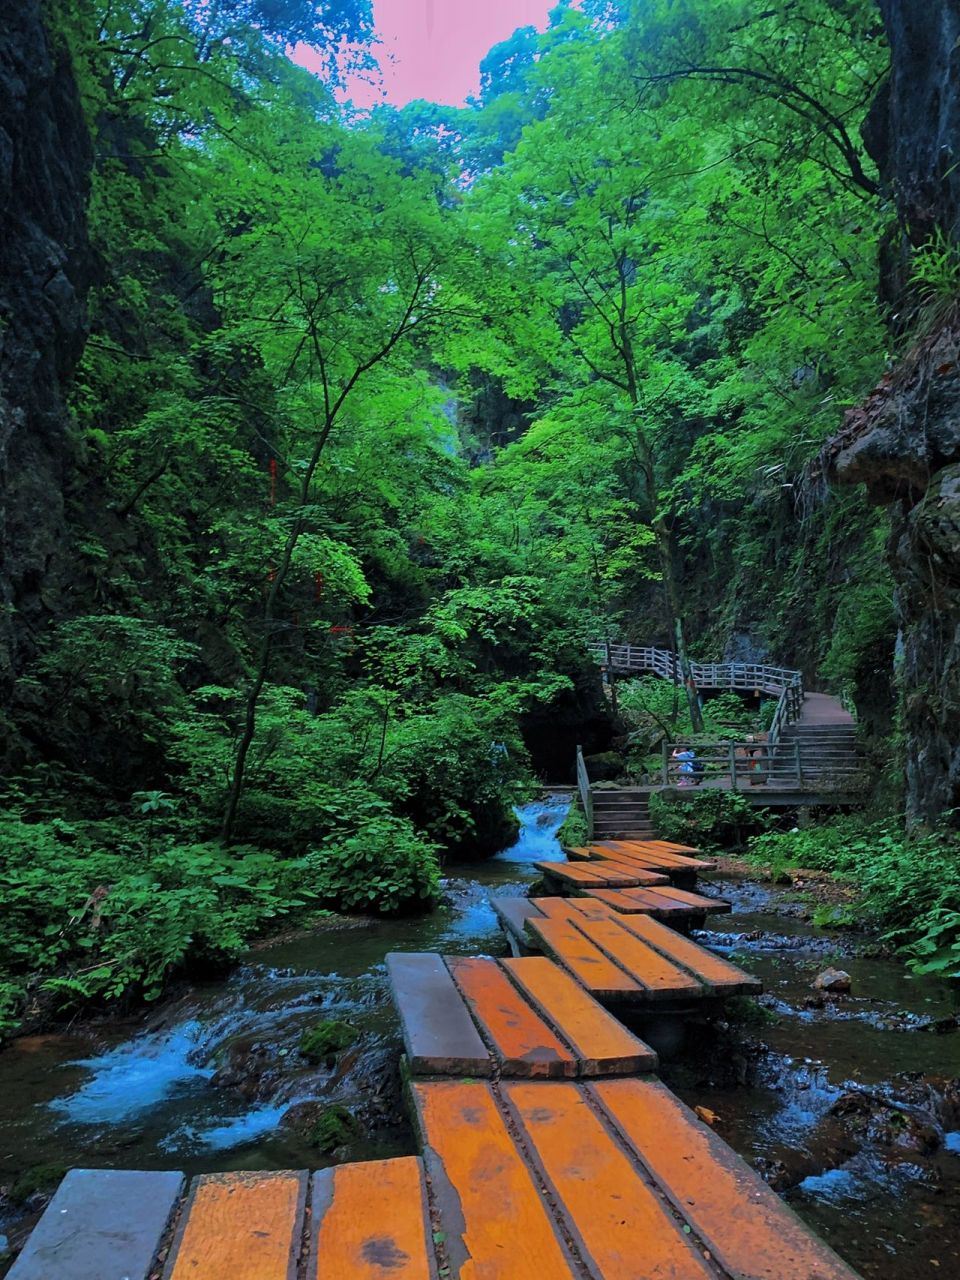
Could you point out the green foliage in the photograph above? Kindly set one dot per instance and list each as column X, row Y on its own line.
column 706, row 819
column 573, row 831
column 382, row 866
column 910, row 883
column 935, row 275
column 99, row 912
column 381, row 417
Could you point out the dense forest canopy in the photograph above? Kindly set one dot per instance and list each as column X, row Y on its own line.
column 377, row 417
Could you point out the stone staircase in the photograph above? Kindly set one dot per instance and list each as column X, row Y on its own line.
column 622, row 814
column 823, row 741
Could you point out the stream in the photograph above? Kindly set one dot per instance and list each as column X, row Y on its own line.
column 849, row 1105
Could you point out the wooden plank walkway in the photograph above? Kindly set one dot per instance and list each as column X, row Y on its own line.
column 629, row 958
column 619, row 859
column 676, row 907
column 528, row 1017
column 548, row 1157
column 615, row 1181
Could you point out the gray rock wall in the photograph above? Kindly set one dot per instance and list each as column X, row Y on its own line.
column 45, row 158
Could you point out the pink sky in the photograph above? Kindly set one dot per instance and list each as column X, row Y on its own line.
column 432, row 48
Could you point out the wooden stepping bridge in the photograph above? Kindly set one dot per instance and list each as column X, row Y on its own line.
column 531, row 1180
column 552, row 1153
column 520, row 1017
column 630, row 958
column 624, row 864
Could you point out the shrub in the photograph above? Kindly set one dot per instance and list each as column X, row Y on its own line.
column 910, row 883
column 383, row 865
column 706, row 818
column 103, row 911
column 573, row 832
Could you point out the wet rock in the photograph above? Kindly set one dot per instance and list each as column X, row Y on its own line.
column 252, row 1068
column 324, row 1041
column 836, row 981
column 328, row 1126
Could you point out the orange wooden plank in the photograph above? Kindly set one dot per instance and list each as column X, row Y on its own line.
column 496, row 1223
column 650, row 860
column 371, row 1222
column 240, row 1226
column 645, row 901
column 568, row 908
column 574, row 872
column 522, row 1042
column 666, row 856
column 602, row 1044
column 697, row 901
column 669, row 846
column 641, row 868
column 626, row 862
column 594, row 874
column 746, row 1226
column 564, row 941
column 616, row 1218
column 650, row 849
column 656, row 903
column 725, row 978
column 659, row 978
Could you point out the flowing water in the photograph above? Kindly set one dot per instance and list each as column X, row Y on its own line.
column 846, row 1105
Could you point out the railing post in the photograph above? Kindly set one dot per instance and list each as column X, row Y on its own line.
column 733, row 765
column 796, row 747
column 666, row 764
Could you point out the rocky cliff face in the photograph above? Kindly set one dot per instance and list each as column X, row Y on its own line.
column 904, row 442
column 45, row 158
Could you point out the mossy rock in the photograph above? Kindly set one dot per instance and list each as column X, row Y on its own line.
column 326, row 1039
column 334, row 1127
column 40, row 1179
column 604, row 766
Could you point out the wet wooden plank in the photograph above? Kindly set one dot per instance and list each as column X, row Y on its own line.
column 658, row 977
column 666, row 856
column 240, row 1226
column 438, row 1032
column 602, row 1044
column 592, row 875
column 370, row 1221
column 746, row 1226
column 513, row 914
column 645, row 901
column 645, row 876
column 651, row 861
column 669, row 846
column 723, row 977
column 696, row 901
column 563, row 940
column 100, row 1224
column 572, row 872
column 564, row 908
column 616, row 1218
column 497, row 1225
column 523, row 1044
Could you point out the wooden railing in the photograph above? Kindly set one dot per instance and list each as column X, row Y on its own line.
column 754, row 764
column 586, row 796
column 747, row 676
column 744, row 763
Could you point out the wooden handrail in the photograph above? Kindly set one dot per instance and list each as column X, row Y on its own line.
column 707, row 675
column 586, row 798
